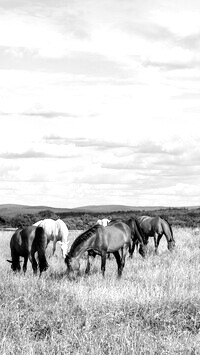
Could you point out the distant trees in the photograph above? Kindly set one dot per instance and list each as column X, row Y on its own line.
column 176, row 216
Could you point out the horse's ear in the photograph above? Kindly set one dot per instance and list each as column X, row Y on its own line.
column 9, row 261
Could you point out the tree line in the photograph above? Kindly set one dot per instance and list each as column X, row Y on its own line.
column 182, row 217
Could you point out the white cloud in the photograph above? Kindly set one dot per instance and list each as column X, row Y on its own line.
column 99, row 104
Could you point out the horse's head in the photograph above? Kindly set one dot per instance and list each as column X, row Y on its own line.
column 64, row 247
column 143, row 250
column 15, row 266
column 73, row 265
column 171, row 245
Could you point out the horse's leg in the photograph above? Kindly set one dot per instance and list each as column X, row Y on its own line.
column 54, row 246
column 158, row 240
column 131, row 248
column 33, row 262
column 92, row 254
column 87, row 270
column 155, row 237
column 108, row 256
column 122, row 257
column 103, row 262
column 25, row 263
column 124, row 253
column 119, row 263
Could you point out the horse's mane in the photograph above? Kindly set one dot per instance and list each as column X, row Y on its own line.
column 115, row 220
column 83, row 237
column 170, row 227
column 137, row 226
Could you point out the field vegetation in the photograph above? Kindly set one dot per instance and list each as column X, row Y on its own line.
column 79, row 220
column 153, row 309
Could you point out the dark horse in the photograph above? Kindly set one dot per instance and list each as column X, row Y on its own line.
column 156, row 227
column 136, row 239
column 26, row 242
column 101, row 240
column 136, row 235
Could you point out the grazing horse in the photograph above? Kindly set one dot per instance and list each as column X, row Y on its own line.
column 136, row 235
column 26, row 242
column 156, row 227
column 136, row 238
column 55, row 231
column 103, row 222
column 101, row 240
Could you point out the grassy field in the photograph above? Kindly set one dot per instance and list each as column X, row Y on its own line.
column 153, row 309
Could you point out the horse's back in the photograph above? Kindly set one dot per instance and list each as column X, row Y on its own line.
column 22, row 239
column 37, row 223
column 49, row 226
column 116, row 235
column 16, row 240
column 62, row 227
column 150, row 225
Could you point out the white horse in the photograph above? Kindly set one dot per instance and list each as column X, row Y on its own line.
column 56, row 231
column 103, row 222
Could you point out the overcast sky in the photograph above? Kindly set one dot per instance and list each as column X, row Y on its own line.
column 100, row 102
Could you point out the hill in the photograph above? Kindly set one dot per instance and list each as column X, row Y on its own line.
column 114, row 208
column 11, row 210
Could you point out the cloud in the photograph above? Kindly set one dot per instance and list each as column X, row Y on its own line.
column 30, row 154
column 86, row 63
column 7, row 170
column 149, row 30
column 96, row 83
column 170, row 65
column 50, row 114
column 84, row 142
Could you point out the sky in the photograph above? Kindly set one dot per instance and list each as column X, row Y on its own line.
column 100, row 102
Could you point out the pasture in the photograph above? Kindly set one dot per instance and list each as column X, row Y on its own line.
column 153, row 309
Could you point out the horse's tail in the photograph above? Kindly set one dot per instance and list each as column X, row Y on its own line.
column 142, row 234
column 40, row 246
column 138, row 236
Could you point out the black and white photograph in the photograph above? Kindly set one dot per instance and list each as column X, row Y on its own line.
column 99, row 177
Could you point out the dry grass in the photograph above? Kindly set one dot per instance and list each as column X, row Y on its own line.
column 153, row 309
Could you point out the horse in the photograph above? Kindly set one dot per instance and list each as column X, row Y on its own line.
column 136, row 238
column 136, row 235
column 26, row 242
column 103, row 222
column 55, row 231
column 155, row 227
column 101, row 240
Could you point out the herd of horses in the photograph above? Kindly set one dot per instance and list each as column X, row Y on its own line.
column 118, row 237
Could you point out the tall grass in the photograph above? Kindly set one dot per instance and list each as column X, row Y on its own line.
column 153, row 309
